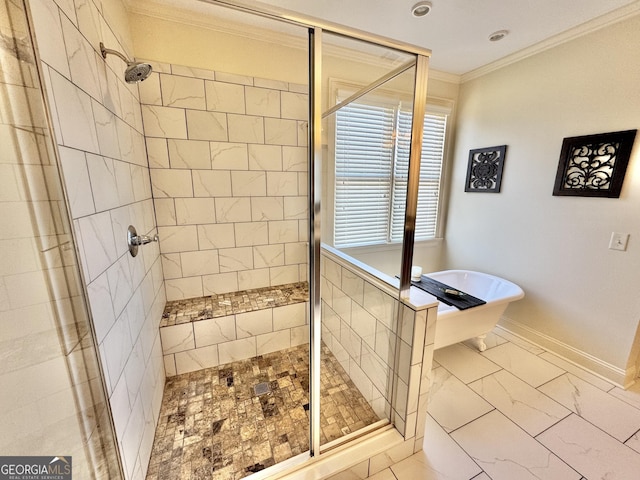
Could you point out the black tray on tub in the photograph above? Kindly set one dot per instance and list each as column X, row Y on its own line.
column 446, row 294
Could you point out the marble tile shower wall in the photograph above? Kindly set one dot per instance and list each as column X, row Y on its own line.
column 98, row 127
column 229, row 178
column 43, row 323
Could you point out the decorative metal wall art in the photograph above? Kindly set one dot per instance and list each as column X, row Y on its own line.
column 484, row 172
column 594, row 165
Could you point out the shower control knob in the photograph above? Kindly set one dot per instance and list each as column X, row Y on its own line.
column 143, row 239
column 134, row 240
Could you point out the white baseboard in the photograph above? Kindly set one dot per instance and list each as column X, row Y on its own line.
column 622, row 378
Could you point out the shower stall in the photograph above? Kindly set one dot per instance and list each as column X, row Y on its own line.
column 244, row 340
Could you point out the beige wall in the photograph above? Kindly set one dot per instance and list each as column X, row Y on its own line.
column 578, row 292
column 207, row 48
column 194, row 46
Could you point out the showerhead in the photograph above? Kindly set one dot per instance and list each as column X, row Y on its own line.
column 135, row 71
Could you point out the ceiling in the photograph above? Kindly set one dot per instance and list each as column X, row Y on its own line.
column 456, row 31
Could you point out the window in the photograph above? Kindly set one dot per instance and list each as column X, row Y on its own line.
column 371, row 168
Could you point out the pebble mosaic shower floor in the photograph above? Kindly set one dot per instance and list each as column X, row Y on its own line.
column 230, row 421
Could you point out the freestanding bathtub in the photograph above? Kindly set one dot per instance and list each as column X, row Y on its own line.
column 455, row 325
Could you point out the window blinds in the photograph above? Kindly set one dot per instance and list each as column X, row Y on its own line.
column 430, row 170
column 364, row 163
column 372, row 161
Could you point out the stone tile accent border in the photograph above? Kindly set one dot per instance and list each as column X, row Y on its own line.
column 177, row 312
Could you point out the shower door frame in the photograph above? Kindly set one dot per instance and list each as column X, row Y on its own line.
column 316, row 27
column 421, row 65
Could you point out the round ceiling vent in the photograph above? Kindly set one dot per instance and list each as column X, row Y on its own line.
column 421, row 9
column 499, row 35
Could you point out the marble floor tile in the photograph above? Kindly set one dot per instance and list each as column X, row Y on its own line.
column 442, row 458
column 590, row 451
column 516, row 340
column 634, row 442
column 521, row 403
column 417, row 467
column 491, row 340
column 631, row 395
column 453, row 404
column 385, row 474
column 513, row 448
column 617, row 418
column 601, row 383
column 505, row 452
column 523, row 364
column 465, row 363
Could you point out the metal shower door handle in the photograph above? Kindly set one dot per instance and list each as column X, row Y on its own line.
column 134, row 240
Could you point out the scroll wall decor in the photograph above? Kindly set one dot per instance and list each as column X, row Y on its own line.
column 594, row 165
column 484, row 172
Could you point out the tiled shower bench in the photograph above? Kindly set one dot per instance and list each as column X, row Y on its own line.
column 203, row 332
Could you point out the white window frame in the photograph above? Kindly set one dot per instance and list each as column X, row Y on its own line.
column 393, row 239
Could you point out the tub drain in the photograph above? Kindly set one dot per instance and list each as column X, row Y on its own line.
column 261, row 388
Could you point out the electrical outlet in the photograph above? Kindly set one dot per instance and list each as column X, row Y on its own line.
column 618, row 241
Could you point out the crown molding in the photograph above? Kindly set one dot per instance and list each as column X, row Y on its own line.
column 444, row 76
column 598, row 23
column 163, row 11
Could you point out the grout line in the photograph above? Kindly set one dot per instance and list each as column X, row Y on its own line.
column 593, row 425
column 535, row 437
column 480, row 474
column 489, row 375
column 393, row 473
column 633, row 435
column 460, row 446
column 551, row 451
column 493, row 409
column 553, row 379
column 556, row 423
column 440, row 365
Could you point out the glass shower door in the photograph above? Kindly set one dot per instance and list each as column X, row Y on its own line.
column 368, row 89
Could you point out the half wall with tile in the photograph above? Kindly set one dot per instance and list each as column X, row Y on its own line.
column 385, row 347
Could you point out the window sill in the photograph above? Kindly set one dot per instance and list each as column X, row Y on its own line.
column 389, row 247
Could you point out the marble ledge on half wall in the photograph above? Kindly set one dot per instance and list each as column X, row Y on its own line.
column 418, row 299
